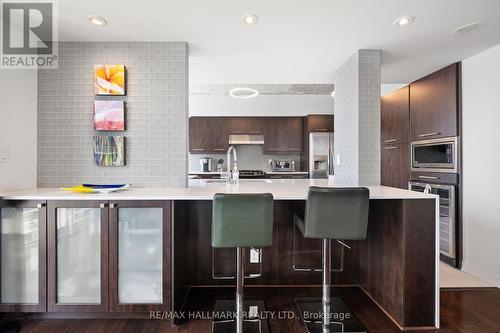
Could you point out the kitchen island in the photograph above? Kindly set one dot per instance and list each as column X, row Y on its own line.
column 396, row 266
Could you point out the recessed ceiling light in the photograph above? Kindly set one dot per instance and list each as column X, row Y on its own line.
column 97, row 20
column 468, row 29
column 333, row 94
column 241, row 92
column 404, row 20
column 250, row 19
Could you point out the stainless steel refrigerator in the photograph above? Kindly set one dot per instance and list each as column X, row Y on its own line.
column 320, row 155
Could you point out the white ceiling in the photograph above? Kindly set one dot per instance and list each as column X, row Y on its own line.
column 295, row 41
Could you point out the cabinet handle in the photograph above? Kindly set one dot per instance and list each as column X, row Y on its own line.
column 429, row 134
column 391, row 140
column 428, row 177
column 273, row 149
column 198, row 149
column 218, row 149
column 320, row 129
column 254, row 131
column 236, row 132
column 294, row 149
column 391, row 147
column 40, row 205
column 112, row 205
column 103, row 205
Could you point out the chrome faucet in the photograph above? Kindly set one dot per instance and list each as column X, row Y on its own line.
column 234, row 175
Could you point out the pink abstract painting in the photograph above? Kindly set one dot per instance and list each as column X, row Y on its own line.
column 109, row 115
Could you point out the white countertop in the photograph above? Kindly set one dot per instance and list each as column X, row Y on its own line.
column 282, row 189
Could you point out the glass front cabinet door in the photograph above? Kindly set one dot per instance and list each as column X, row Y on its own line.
column 77, row 238
column 139, row 246
column 22, row 256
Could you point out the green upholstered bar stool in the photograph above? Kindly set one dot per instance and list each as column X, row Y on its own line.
column 338, row 214
column 238, row 221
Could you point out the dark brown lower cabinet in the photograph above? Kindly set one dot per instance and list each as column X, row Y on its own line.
column 23, row 256
column 77, row 237
column 395, row 165
column 139, row 256
column 192, row 222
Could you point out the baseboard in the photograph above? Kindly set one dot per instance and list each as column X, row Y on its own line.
column 489, row 277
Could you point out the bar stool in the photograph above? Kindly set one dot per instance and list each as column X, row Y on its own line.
column 238, row 221
column 338, row 214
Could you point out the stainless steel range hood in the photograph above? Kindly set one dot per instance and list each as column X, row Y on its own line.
column 240, row 139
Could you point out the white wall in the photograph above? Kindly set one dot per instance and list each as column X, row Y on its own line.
column 262, row 105
column 18, row 128
column 481, row 165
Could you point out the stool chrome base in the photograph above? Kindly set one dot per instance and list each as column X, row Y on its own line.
column 342, row 318
column 250, row 324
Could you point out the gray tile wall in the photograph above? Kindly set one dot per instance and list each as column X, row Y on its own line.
column 156, row 115
column 357, row 119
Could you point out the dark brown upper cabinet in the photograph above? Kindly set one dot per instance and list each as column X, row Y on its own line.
column 218, row 138
column 237, row 125
column 198, row 135
column 284, row 135
column 246, row 125
column 255, row 125
column 208, row 135
column 434, row 104
column 319, row 123
column 395, row 117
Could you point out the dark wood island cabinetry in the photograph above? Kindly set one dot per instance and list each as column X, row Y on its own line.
column 123, row 255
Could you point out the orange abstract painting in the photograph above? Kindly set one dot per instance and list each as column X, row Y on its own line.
column 109, row 79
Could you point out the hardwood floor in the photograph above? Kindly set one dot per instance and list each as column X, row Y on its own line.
column 462, row 311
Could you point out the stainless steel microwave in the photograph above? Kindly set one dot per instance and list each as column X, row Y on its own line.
column 436, row 155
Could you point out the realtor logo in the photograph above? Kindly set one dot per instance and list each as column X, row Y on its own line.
column 29, row 34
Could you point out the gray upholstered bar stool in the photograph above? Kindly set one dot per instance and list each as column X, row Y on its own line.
column 338, row 214
column 238, row 221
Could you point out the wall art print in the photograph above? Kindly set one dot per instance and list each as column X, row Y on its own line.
column 109, row 80
column 109, row 150
column 109, row 115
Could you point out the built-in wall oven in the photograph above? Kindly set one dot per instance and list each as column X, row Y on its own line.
column 447, row 214
column 436, row 155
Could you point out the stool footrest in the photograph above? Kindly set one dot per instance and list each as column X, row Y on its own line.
column 342, row 318
column 251, row 323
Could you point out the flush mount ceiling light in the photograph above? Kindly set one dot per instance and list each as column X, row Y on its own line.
column 404, row 20
column 241, row 92
column 97, row 20
column 250, row 19
column 468, row 29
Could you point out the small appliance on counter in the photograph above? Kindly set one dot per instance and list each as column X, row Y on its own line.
column 282, row 165
column 205, row 164
column 220, row 165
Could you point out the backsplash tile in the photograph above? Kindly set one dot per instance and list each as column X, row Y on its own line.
column 156, row 115
column 250, row 157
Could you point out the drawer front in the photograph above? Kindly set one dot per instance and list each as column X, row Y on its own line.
column 435, row 177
